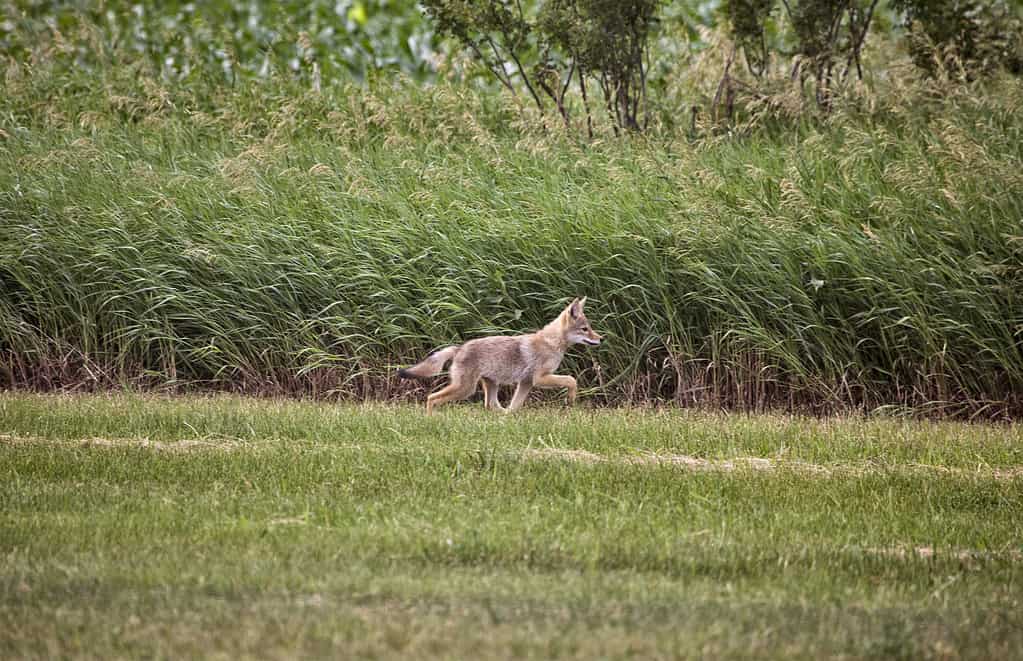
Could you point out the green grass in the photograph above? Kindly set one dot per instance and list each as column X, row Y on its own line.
column 141, row 525
column 271, row 239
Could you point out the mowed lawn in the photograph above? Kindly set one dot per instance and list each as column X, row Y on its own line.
column 219, row 526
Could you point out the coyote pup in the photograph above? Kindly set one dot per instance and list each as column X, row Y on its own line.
column 525, row 360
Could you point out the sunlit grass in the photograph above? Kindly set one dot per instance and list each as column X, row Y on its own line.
column 180, row 526
column 258, row 424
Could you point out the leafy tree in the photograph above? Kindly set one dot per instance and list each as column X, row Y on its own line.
column 822, row 39
column 823, row 33
column 497, row 32
column 748, row 20
column 601, row 40
column 607, row 39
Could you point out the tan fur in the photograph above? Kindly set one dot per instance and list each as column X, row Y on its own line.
column 524, row 360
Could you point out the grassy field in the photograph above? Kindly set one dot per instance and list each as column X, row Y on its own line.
column 221, row 526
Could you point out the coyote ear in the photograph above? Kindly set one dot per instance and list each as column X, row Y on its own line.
column 575, row 310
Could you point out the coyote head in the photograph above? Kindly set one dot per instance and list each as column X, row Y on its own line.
column 576, row 327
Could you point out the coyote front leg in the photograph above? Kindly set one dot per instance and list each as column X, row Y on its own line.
column 559, row 381
column 521, row 392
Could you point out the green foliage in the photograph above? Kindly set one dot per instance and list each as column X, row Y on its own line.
column 342, row 38
column 824, row 39
column 966, row 37
column 274, row 236
column 474, row 23
column 822, row 32
column 815, row 24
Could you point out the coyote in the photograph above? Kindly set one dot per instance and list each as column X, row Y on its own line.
column 525, row 360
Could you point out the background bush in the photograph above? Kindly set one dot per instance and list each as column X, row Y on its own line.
column 251, row 38
column 965, row 38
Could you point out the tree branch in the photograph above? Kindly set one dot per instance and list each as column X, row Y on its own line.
column 568, row 80
column 857, row 42
column 725, row 81
column 525, row 79
column 586, row 103
column 494, row 68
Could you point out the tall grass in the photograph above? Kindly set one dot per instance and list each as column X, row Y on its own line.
column 267, row 237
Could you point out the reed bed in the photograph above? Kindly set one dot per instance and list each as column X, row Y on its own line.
column 267, row 237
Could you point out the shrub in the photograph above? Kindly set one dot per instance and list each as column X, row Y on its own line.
column 824, row 33
column 748, row 21
column 606, row 40
column 966, row 37
column 497, row 32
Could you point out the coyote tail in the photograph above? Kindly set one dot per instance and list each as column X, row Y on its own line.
column 432, row 365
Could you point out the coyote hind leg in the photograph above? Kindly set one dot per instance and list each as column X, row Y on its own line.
column 490, row 390
column 462, row 385
column 450, row 393
column 521, row 392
